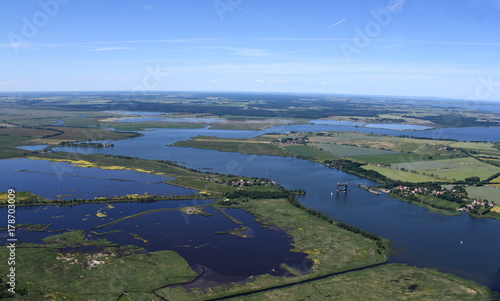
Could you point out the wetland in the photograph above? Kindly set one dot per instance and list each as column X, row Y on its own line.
column 203, row 247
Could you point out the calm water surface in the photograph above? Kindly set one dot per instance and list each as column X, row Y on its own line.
column 227, row 256
column 194, row 238
column 83, row 216
column 59, row 180
column 491, row 134
column 388, row 126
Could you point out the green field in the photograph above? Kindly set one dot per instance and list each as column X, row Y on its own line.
column 492, row 161
column 350, row 151
column 253, row 123
column 458, row 169
column 439, row 203
column 393, row 158
column 308, row 152
column 244, row 146
column 24, row 132
column 11, row 140
column 401, row 175
column 6, row 146
column 200, row 184
column 424, row 147
column 387, row 282
column 489, row 193
column 15, row 136
column 475, row 146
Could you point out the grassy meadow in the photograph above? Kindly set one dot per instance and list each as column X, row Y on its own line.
column 350, row 151
column 452, row 169
column 401, row 175
column 308, row 152
column 244, row 146
column 387, row 282
column 7, row 149
column 104, row 272
column 489, row 193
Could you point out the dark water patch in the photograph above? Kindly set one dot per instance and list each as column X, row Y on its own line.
column 207, row 278
column 194, row 238
column 83, row 250
column 83, row 216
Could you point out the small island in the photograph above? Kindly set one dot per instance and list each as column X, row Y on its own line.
column 86, row 144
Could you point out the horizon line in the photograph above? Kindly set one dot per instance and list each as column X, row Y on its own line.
column 254, row 92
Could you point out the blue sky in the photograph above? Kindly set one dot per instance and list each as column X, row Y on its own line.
column 434, row 48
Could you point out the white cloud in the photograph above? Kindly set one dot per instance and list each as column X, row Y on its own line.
column 278, row 81
column 16, row 45
column 339, row 22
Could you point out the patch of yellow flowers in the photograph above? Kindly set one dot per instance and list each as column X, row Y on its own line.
column 314, row 252
column 496, row 209
column 84, row 163
column 496, row 180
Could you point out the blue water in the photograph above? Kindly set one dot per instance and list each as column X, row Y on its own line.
column 59, row 180
column 490, row 134
column 33, row 147
column 389, row 126
column 397, row 127
column 83, row 216
column 194, row 238
column 335, row 122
